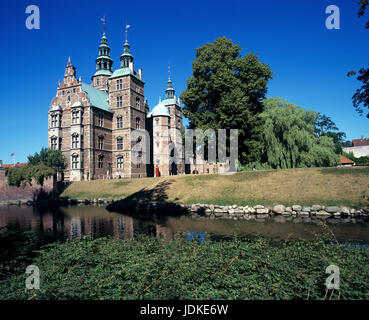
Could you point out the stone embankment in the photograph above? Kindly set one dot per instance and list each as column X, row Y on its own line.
column 280, row 213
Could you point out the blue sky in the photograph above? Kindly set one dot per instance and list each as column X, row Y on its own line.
column 309, row 62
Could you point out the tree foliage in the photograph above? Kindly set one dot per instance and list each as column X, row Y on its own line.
column 324, row 126
column 50, row 158
column 225, row 92
column 361, row 97
column 289, row 137
column 40, row 166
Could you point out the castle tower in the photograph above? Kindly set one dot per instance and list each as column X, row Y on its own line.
column 161, row 138
column 104, row 66
column 176, row 149
column 127, row 102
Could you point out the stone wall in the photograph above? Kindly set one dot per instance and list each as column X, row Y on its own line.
column 29, row 192
column 362, row 151
column 281, row 213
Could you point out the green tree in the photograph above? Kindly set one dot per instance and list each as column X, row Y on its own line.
column 361, row 97
column 50, row 158
column 289, row 137
column 225, row 92
column 324, row 126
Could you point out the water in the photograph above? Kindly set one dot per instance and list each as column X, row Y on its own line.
column 95, row 221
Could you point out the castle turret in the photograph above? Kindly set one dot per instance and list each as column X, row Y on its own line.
column 104, row 66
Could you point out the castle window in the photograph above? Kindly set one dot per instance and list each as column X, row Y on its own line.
column 137, row 123
column 119, row 84
column 100, row 142
column 81, row 140
column 119, row 101
column 97, row 81
column 75, row 161
column 119, row 143
column 138, row 164
column 137, row 89
column 101, row 120
column 75, row 117
column 74, row 90
column 54, row 120
column 63, row 93
column 119, row 122
column 157, row 134
column 101, row 161
column 137, row 102
column 60, row 143
column 120, row 162
column 54, row 143
column 74, row 141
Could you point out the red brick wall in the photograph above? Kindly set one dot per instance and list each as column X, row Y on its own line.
column 29, row 192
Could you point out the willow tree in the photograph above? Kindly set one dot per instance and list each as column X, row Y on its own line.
column 225, row 92
column 289, row 139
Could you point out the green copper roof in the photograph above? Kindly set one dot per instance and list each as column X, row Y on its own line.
column 103, row 72
column 170, row 102
column 98, row 98
column 124, row 72
column 160, row 110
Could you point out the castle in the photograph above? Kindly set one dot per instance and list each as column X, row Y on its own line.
column 97, row 126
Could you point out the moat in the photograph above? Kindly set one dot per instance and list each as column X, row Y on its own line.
column 74, row 222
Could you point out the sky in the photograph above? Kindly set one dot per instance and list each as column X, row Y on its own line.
column 309, row 62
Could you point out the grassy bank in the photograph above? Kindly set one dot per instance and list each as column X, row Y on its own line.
column 148, row 268
column 325, row 186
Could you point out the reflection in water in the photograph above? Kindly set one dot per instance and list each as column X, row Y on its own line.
column 194, row 236
column 76, row 221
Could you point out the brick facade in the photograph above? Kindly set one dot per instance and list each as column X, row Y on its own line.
column 95, row 126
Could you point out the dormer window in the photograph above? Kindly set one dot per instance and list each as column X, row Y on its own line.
column 137, row 102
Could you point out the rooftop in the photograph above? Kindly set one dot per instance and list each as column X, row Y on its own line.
column 360, row 142
column 98, row 98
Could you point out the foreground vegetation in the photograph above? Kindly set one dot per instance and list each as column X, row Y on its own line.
column 147, row 268
column 327, row 186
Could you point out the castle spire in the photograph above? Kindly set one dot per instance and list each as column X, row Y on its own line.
column 126, row 58
column 104, row 63
column 169, row 92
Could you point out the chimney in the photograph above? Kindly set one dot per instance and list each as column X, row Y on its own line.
column 131, row 65
column 362, row 137
column 140, row 73
column 1, row 163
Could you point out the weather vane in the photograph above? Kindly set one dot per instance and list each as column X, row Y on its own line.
column 168, row 71
column 104, row 23
column 127, row 26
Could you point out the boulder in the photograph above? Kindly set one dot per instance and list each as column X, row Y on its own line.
column 316, row 207
column 332, row 209
column 296, row 207
column 261, row 211
column 279, row 209
column 322, row 213
column 305, row 209
column 259, row 207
